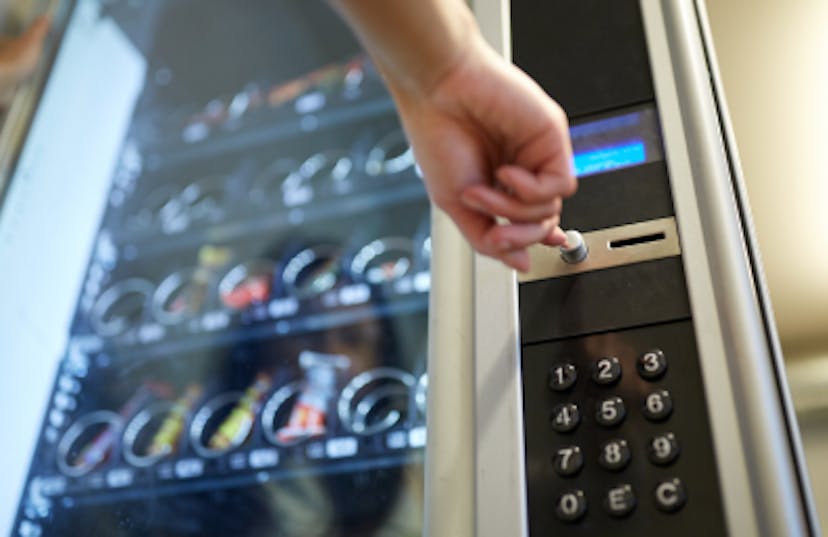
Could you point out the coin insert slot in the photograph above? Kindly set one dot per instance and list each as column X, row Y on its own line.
column 633, row 241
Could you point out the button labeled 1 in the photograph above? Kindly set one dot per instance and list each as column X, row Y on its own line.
column 562, row 377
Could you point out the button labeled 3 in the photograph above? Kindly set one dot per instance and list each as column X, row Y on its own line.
column 652, row 364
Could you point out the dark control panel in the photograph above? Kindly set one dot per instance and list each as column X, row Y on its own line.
column 617, row 433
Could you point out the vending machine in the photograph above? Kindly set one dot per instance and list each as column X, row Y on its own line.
column 223, row 287
column 631, row 383
column 234, row 273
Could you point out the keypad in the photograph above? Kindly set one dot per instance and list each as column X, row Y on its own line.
column 618, row 441
column 614, row 455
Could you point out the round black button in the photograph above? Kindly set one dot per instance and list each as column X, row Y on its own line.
column 571, row 506
column 664, row 449
column 658, row 405
column 565, row 417
column 620, row 500
column 562, row 377
column 615, row 455
column 568, row 461
column 610, row 411
column 652, row 364
column 670, row 495
column 607, row 370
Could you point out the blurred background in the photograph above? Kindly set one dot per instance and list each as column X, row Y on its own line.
column 773, row 58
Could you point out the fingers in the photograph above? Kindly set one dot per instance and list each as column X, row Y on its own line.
column 497, row 203
column 505, row 242
column 535, row 188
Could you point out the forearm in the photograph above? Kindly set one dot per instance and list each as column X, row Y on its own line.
column 413, row 42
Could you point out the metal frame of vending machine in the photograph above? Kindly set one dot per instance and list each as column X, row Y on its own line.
column 503, row 442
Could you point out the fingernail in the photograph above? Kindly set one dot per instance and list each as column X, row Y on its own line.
column 472, row 202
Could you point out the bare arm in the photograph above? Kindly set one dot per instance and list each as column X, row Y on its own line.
column 490, row 142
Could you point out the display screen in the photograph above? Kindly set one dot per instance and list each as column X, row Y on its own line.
column 243, row 349
column 616, row 141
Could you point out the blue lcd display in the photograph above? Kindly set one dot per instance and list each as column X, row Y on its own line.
column 610, row 158
column 624, row 140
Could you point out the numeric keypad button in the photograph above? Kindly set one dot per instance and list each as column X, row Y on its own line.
column 562, row 377
column 565, row 417
column 620, row 500
column 664, row 449
column 607, row 371
column 652, row 364
column 670, row 495
column 658, row 405
column 610, row 411
column 615, row 455
column 571, row 506
column 568, row 461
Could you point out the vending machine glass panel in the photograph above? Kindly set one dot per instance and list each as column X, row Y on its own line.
column 234, row 249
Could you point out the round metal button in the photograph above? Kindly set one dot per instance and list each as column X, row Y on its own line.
column 652, row 364
column 568, row 461
column 610, row 411
column 565, row 417
column 562, row 377
column 615, row 455
column 658, row 405
column 670, row 495
column 607, row 371
column 664, row 449
column 571, row 506
column 620, row 500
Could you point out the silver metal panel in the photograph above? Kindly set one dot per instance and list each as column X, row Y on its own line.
column 548, row 263
column 449, row 466
column 761, row 491
column 500, row 489
column 738, row 180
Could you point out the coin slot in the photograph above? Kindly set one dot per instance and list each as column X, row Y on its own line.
column 633, row 241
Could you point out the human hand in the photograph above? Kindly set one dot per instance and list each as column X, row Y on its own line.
column 19, row 55
column 495, row 153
